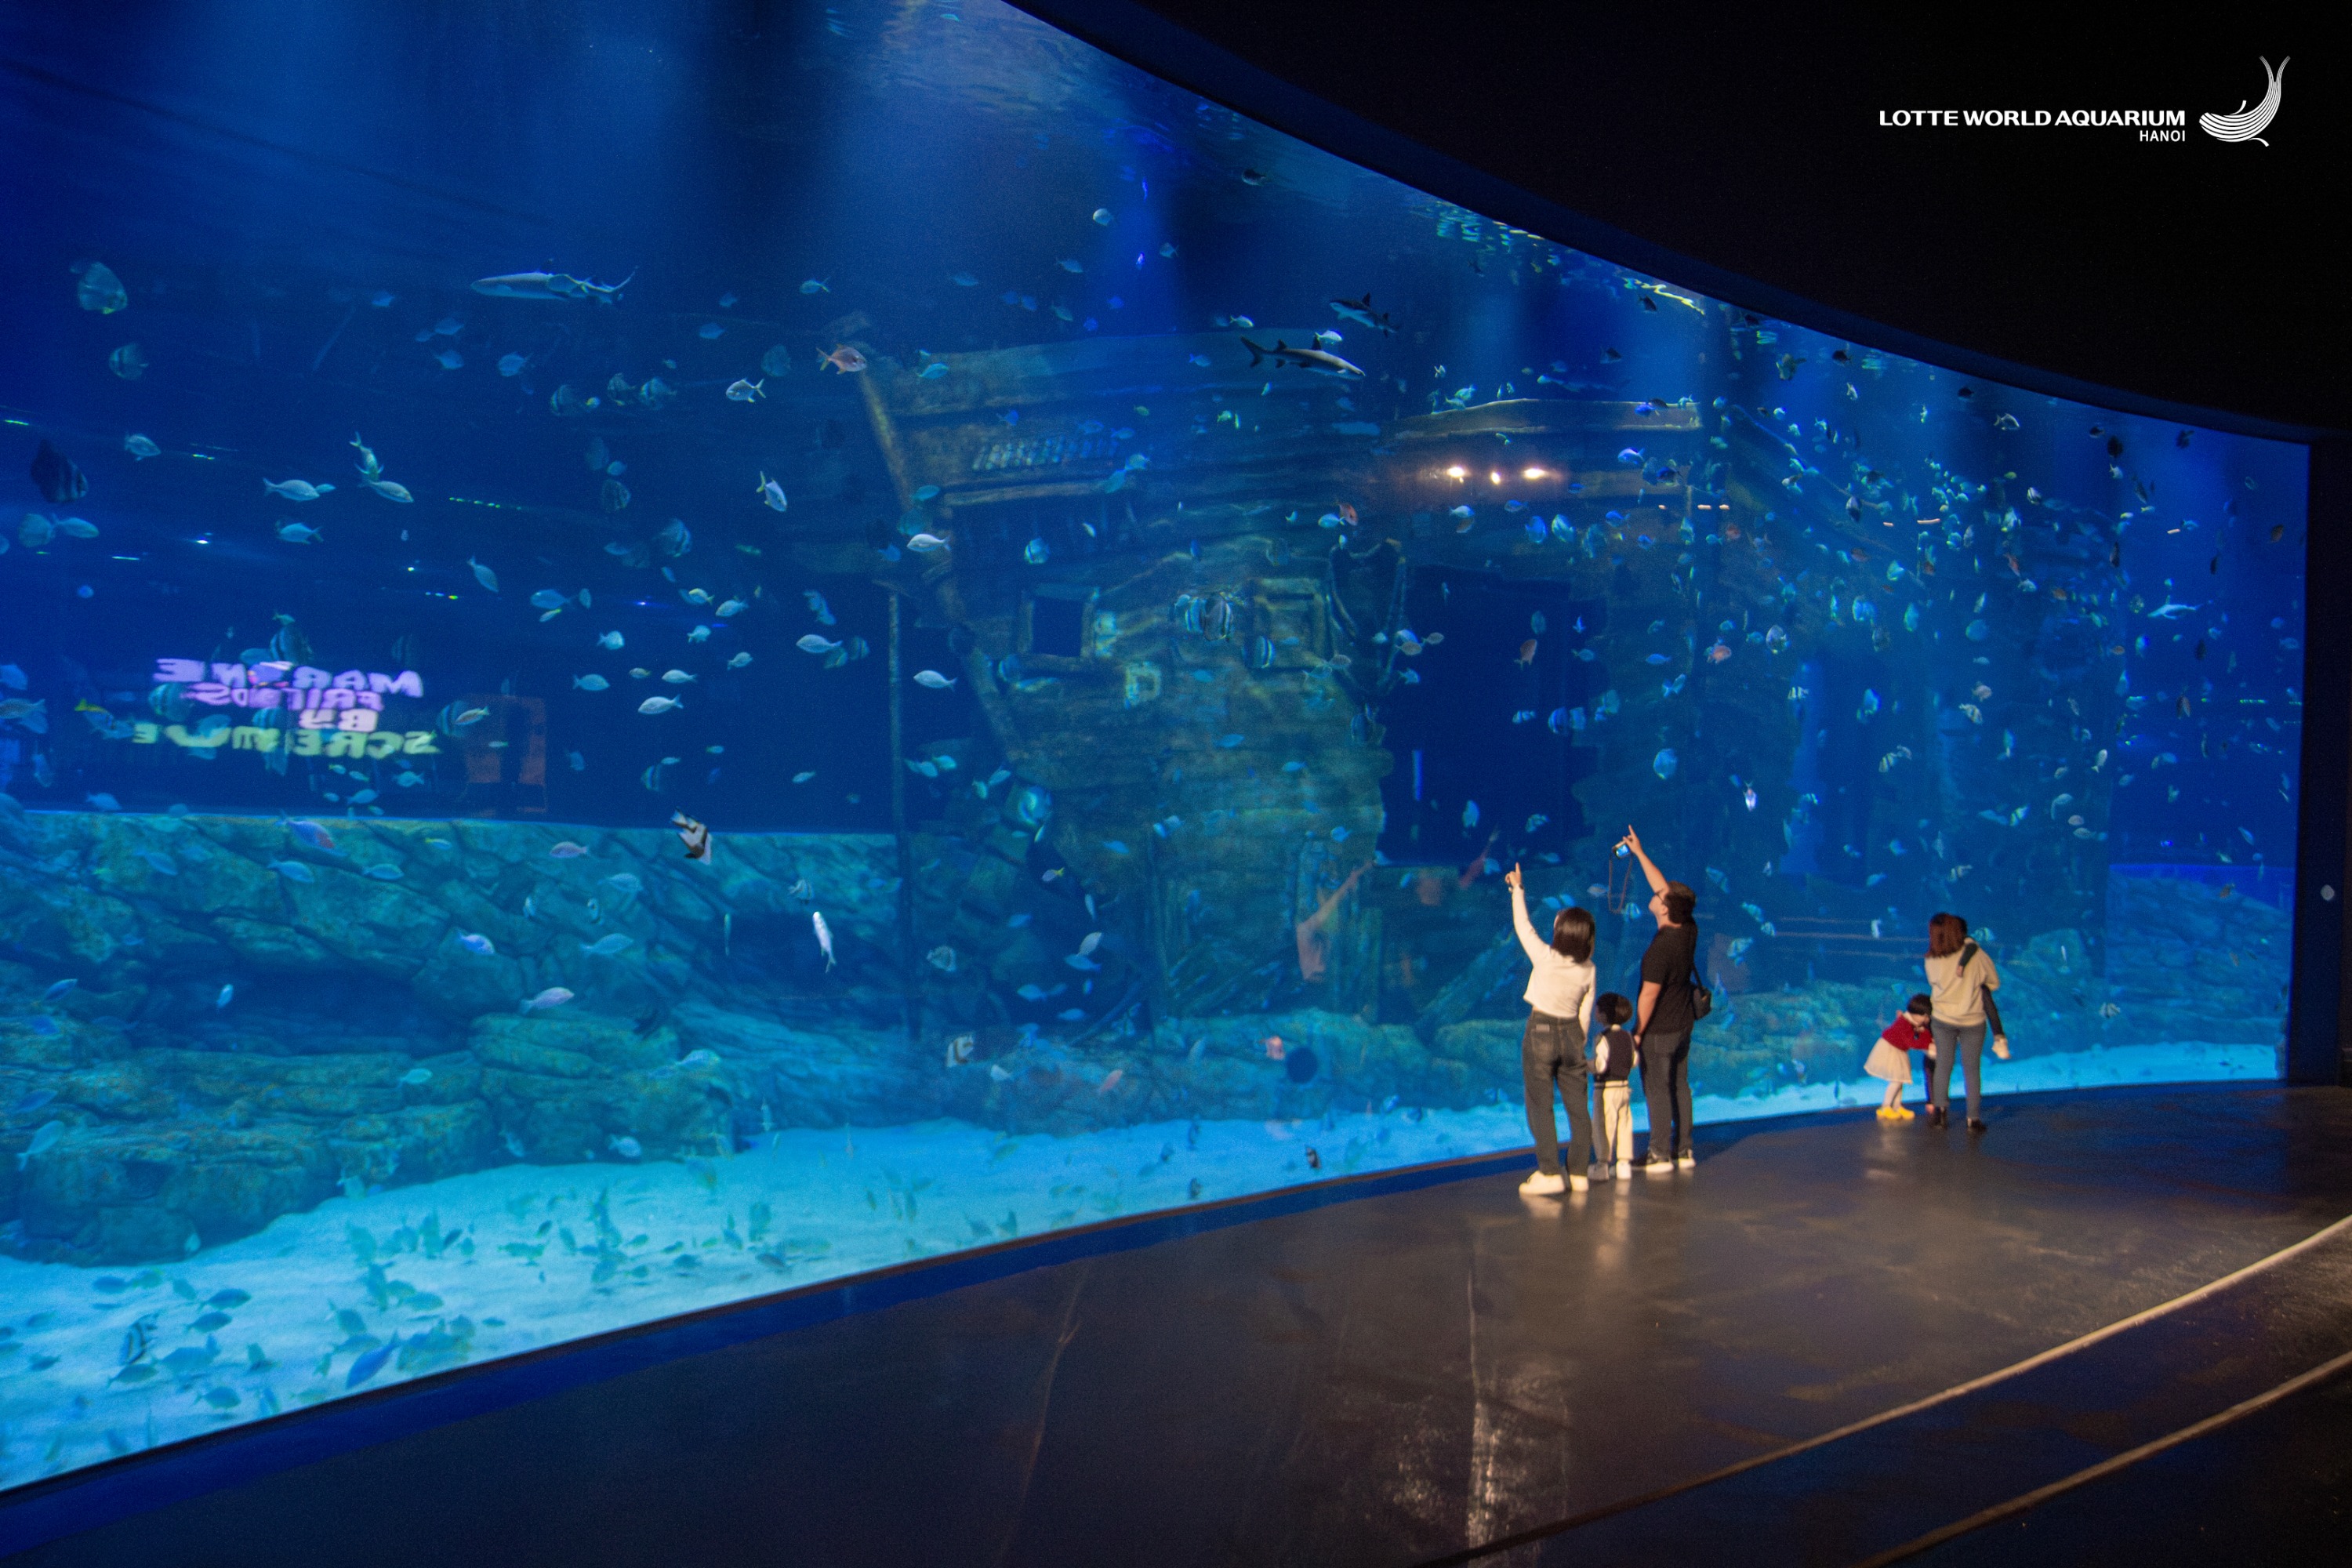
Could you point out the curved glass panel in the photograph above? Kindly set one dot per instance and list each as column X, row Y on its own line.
column 641, row 666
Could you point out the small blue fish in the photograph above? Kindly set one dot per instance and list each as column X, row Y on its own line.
column 189, row 1360
column 58, row 991
column 227, row 994
column 384, row 871
column 368, row 1365
column 476, row 943
column 293, row 870
column 162, row 865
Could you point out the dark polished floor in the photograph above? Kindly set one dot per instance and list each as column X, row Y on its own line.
column 1421, row 1376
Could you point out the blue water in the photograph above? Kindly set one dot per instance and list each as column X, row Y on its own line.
column 1109, row 748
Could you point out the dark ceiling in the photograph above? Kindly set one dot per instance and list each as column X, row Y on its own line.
column 1740, row 151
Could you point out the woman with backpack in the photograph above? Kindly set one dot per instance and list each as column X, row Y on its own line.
column 1961, row 980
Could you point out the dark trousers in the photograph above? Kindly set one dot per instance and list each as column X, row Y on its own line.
column 1551, row 1056
column 1964, row 1043
column 1666, row 1084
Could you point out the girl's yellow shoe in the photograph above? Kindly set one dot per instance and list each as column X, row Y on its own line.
column 1886, row 1114
column 1903, row 1113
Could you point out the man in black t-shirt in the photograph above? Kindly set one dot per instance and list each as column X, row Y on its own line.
column 1664, row 1015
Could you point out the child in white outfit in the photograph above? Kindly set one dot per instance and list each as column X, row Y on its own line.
column 1612, row 1068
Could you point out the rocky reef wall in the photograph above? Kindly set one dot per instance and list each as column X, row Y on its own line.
column 209, row 1021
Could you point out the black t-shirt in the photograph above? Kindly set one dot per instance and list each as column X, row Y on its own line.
column 1668, row 962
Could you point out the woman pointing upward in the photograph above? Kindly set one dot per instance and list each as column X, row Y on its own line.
column 1551, row 1050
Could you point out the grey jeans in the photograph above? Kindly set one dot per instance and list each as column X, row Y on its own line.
column 1666, row 1084
column 1969, row 1040
column 1551, row 1055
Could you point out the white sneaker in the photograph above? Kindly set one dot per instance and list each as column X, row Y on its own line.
column 1579, row 1183
column 1624, row 1169
column 1687, row 1161
column 1540, row 1186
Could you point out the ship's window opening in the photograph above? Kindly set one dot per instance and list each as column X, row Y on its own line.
column 1057, row 626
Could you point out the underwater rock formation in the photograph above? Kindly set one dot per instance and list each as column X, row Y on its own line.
column 206, row 1022
column 224, row 1018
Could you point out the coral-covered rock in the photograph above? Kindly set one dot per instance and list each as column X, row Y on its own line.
column 125, row 1194
column 567, row 1089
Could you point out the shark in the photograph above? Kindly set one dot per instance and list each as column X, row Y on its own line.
column 1361, row 311
column 1304, row 359
column 549, row 285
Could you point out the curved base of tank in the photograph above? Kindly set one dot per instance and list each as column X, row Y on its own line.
column 480, row 1343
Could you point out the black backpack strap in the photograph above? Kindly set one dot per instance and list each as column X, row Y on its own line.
column 1968, row 949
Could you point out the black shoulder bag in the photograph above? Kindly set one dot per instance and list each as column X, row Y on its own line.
column 1968, row 949
column 1702, row 999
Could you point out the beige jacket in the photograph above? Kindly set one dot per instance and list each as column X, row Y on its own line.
column 1957, row 994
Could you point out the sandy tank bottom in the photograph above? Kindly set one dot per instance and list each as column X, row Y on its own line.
column 364, row 1291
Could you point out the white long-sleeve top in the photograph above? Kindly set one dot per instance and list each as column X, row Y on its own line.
column 1559, row 985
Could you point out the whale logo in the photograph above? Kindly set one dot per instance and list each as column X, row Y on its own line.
column 2248, row 124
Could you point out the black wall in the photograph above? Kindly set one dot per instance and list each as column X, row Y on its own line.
column 1745, row 141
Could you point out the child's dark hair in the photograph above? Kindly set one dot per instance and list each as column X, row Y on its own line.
column 1613, row 1009
column 1921, row 1002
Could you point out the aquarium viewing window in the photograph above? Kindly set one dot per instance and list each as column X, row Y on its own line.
column 982, row 676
